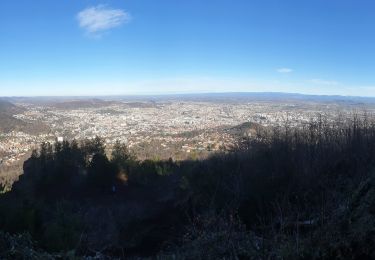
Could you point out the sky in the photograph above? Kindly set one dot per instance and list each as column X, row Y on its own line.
column 125, row 47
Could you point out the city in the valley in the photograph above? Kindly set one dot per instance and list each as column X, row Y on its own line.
column 177, row 127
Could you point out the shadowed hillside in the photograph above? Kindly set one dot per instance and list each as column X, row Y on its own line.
column 284, row 193
column 9, row 123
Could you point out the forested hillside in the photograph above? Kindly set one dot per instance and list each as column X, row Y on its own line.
column 9, row 123
column 287, row 193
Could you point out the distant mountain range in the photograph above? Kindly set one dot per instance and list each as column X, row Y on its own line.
column 90, row 101
column 269, row 96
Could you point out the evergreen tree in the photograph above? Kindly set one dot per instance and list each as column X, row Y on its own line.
column 101, row 173
column 121, row 156
column 97, row 146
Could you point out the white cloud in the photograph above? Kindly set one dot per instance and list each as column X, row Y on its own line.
column 324, row 82
column 97, row 19
column 284, row 70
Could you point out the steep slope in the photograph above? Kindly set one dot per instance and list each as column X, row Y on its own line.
column 7, row 121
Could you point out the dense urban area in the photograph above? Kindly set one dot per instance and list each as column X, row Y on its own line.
column 175, row 128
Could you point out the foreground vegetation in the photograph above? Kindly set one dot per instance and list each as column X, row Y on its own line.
column 287, row 193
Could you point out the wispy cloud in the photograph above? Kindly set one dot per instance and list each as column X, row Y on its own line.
column 97, row 19
column 284, row 70
column 324, row 82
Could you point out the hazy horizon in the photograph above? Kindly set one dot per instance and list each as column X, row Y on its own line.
column 198, row 94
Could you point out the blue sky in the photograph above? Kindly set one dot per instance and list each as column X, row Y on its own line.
column 87, row 47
